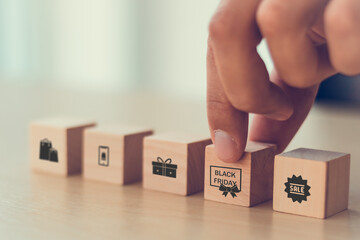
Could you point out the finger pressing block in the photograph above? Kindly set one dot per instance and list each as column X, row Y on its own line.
column 174, row 163
column 311, row 182
column 56, row 145
column 113, row 153
column 246, row 182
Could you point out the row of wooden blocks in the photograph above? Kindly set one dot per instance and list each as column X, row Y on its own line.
column 303, row 181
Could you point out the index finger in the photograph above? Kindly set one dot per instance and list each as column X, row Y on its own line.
column 234, row 36
column 228, row 126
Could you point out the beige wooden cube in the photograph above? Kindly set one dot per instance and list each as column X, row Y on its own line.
column 56, row 145
column 174, row 163
column 246, row 182
column 113, row 153
column 311, row 182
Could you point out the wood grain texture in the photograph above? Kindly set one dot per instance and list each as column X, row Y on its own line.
column 74, row 141
column 65, row 136
column 123, row 146
column 338, row 181
column 327, row 175
column 262, row 175
column 38, row 206
column 196, row 165
column 133, row 157
column 253, row 175
column 187, row 153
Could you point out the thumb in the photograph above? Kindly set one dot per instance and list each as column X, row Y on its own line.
column 228, row 126
column 264, row 129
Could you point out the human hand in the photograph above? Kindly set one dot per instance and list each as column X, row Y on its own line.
column 309, row 40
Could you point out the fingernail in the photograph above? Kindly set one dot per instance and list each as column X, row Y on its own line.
column 225, row 146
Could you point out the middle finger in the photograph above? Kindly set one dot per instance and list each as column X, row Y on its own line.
column 287, row 27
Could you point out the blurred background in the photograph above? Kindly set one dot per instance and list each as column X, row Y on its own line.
column 114, row 46
column 71, row 56
column 107, row 46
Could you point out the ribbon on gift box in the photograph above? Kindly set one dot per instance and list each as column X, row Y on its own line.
column 167, row 161
column 232, row 190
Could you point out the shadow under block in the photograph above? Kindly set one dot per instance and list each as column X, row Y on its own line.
column 246, row 182
column 114, row 153
column 174, row 163
column 56, row 145
column 311, row 183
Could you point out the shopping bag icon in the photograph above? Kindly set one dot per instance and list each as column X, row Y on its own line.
column 53, row 155
column 45, row 146
column 47, row 152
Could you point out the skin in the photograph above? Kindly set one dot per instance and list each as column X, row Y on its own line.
column 309, row 40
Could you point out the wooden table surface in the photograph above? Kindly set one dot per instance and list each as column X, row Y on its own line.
column 36, row 206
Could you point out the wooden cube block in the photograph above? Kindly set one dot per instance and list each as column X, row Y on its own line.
column 114, row 153
column 174, row 163
column 311, row 182
column 246, row 182
column 56, row 145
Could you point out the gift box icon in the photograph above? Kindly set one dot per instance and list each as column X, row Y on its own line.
column 164, row 168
